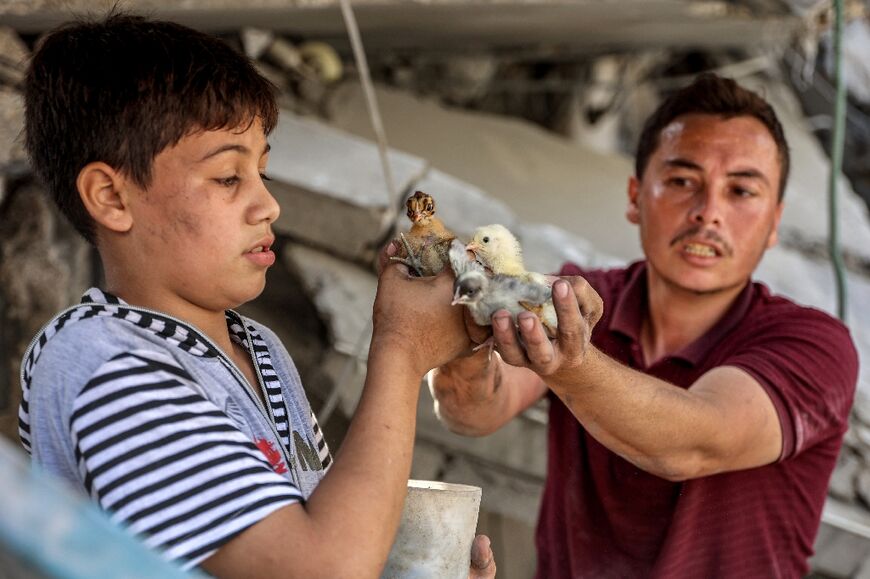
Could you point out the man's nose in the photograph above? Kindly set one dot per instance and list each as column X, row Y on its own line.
column 707, row 208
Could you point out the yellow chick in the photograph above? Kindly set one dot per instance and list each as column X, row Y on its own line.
column 497, row 250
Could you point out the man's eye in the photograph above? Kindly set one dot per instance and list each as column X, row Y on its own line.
column 741, row 192
column 265, row 177
column 678, row 182
column 228, row 181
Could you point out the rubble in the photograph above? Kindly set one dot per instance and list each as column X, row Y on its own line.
column 15, row 56
column 13, row 159
column 566, row 203
column 332, row 189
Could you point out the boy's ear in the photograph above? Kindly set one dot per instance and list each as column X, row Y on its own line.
column 632, row 212
column 103, row 191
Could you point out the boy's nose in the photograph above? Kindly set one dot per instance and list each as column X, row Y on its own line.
column 266, row 207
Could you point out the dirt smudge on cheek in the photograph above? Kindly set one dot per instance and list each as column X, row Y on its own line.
column 186, row 223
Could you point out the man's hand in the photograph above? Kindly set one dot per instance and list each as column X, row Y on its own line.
column 413, row 316
column 578, row 311
column 482, row 561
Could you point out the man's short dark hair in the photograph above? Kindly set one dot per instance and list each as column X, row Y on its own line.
column 122, row 89
column 710, row 94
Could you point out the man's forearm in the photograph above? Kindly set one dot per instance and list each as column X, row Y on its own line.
column 661, row 428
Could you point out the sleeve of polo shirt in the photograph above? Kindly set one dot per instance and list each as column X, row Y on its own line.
column 167, row 463
column 808, row 365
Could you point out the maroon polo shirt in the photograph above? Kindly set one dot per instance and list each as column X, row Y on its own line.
column 601, row 516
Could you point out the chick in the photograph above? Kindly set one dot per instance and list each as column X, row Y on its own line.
column 424, row 248
column 498, row 251
column 484, row 294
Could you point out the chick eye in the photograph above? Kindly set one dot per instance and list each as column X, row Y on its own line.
column 486, row 239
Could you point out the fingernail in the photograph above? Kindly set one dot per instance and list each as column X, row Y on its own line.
column 527, row 323
column 501, row 322
column 391, row 248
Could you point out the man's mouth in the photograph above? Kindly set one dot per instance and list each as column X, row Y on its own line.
column 700, row 250
column 259, row 249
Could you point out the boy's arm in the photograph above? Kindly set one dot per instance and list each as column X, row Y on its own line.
column 348, row 525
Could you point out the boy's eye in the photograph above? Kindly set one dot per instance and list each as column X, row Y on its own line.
column 228, row 181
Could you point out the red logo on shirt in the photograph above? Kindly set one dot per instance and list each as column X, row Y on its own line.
column 272, row 454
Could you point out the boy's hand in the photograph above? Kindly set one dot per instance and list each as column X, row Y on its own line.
column 413, row 316
column 578, row 308
column 482, row 561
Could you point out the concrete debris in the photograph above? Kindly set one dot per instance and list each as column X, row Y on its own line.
column 564, row 201
column 805, row 218
column 343, row 294
column 15, row 55
column 839, row 553
column 332, row 188
column 461, row 206
column 255, row 41
column 322, row 59
column 539, row 176
column 44, row 267
column 842, row 484
column 13, row 158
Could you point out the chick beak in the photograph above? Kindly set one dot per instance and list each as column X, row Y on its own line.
column 472, row 247
column 416, row 217
column 456, row 298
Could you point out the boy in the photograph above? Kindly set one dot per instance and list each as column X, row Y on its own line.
column 183, row 420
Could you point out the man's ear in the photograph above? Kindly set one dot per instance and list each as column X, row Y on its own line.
column 773, row 238
column 632, row 212
column 103, row 192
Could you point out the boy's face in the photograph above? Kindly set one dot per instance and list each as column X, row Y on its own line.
column 203, row 226
column 708, row 202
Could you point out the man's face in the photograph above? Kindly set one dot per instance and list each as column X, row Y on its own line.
column 707, row 203
column 203, row 226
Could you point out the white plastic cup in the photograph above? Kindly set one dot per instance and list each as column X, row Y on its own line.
column 438, row 525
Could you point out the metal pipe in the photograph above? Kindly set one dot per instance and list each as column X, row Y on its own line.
column 837, row 140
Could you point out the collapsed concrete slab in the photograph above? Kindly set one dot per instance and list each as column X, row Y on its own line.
column 13, row 159
column 810, row 282
column 539, row 176
column 331, row 187
column 805, row 217
column 462, row 206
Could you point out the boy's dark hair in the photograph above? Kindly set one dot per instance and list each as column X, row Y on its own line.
column 122, row 89
column 710, row 94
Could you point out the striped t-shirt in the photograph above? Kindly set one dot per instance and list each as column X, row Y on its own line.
column 148, row 417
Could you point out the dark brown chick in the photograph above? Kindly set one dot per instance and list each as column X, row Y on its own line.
column 424, row 248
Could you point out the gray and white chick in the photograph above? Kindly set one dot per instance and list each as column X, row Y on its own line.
column 484, row 294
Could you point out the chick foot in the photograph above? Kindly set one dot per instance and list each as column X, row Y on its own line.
column 412, row 261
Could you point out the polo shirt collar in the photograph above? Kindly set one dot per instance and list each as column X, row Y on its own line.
column 632, row 305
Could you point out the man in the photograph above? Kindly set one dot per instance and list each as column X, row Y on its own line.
column 693, row 432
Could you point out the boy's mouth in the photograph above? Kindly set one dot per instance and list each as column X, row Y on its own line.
column 261, row 254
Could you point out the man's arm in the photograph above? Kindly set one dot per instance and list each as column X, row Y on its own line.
column 725, row 421
column 478, row 394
